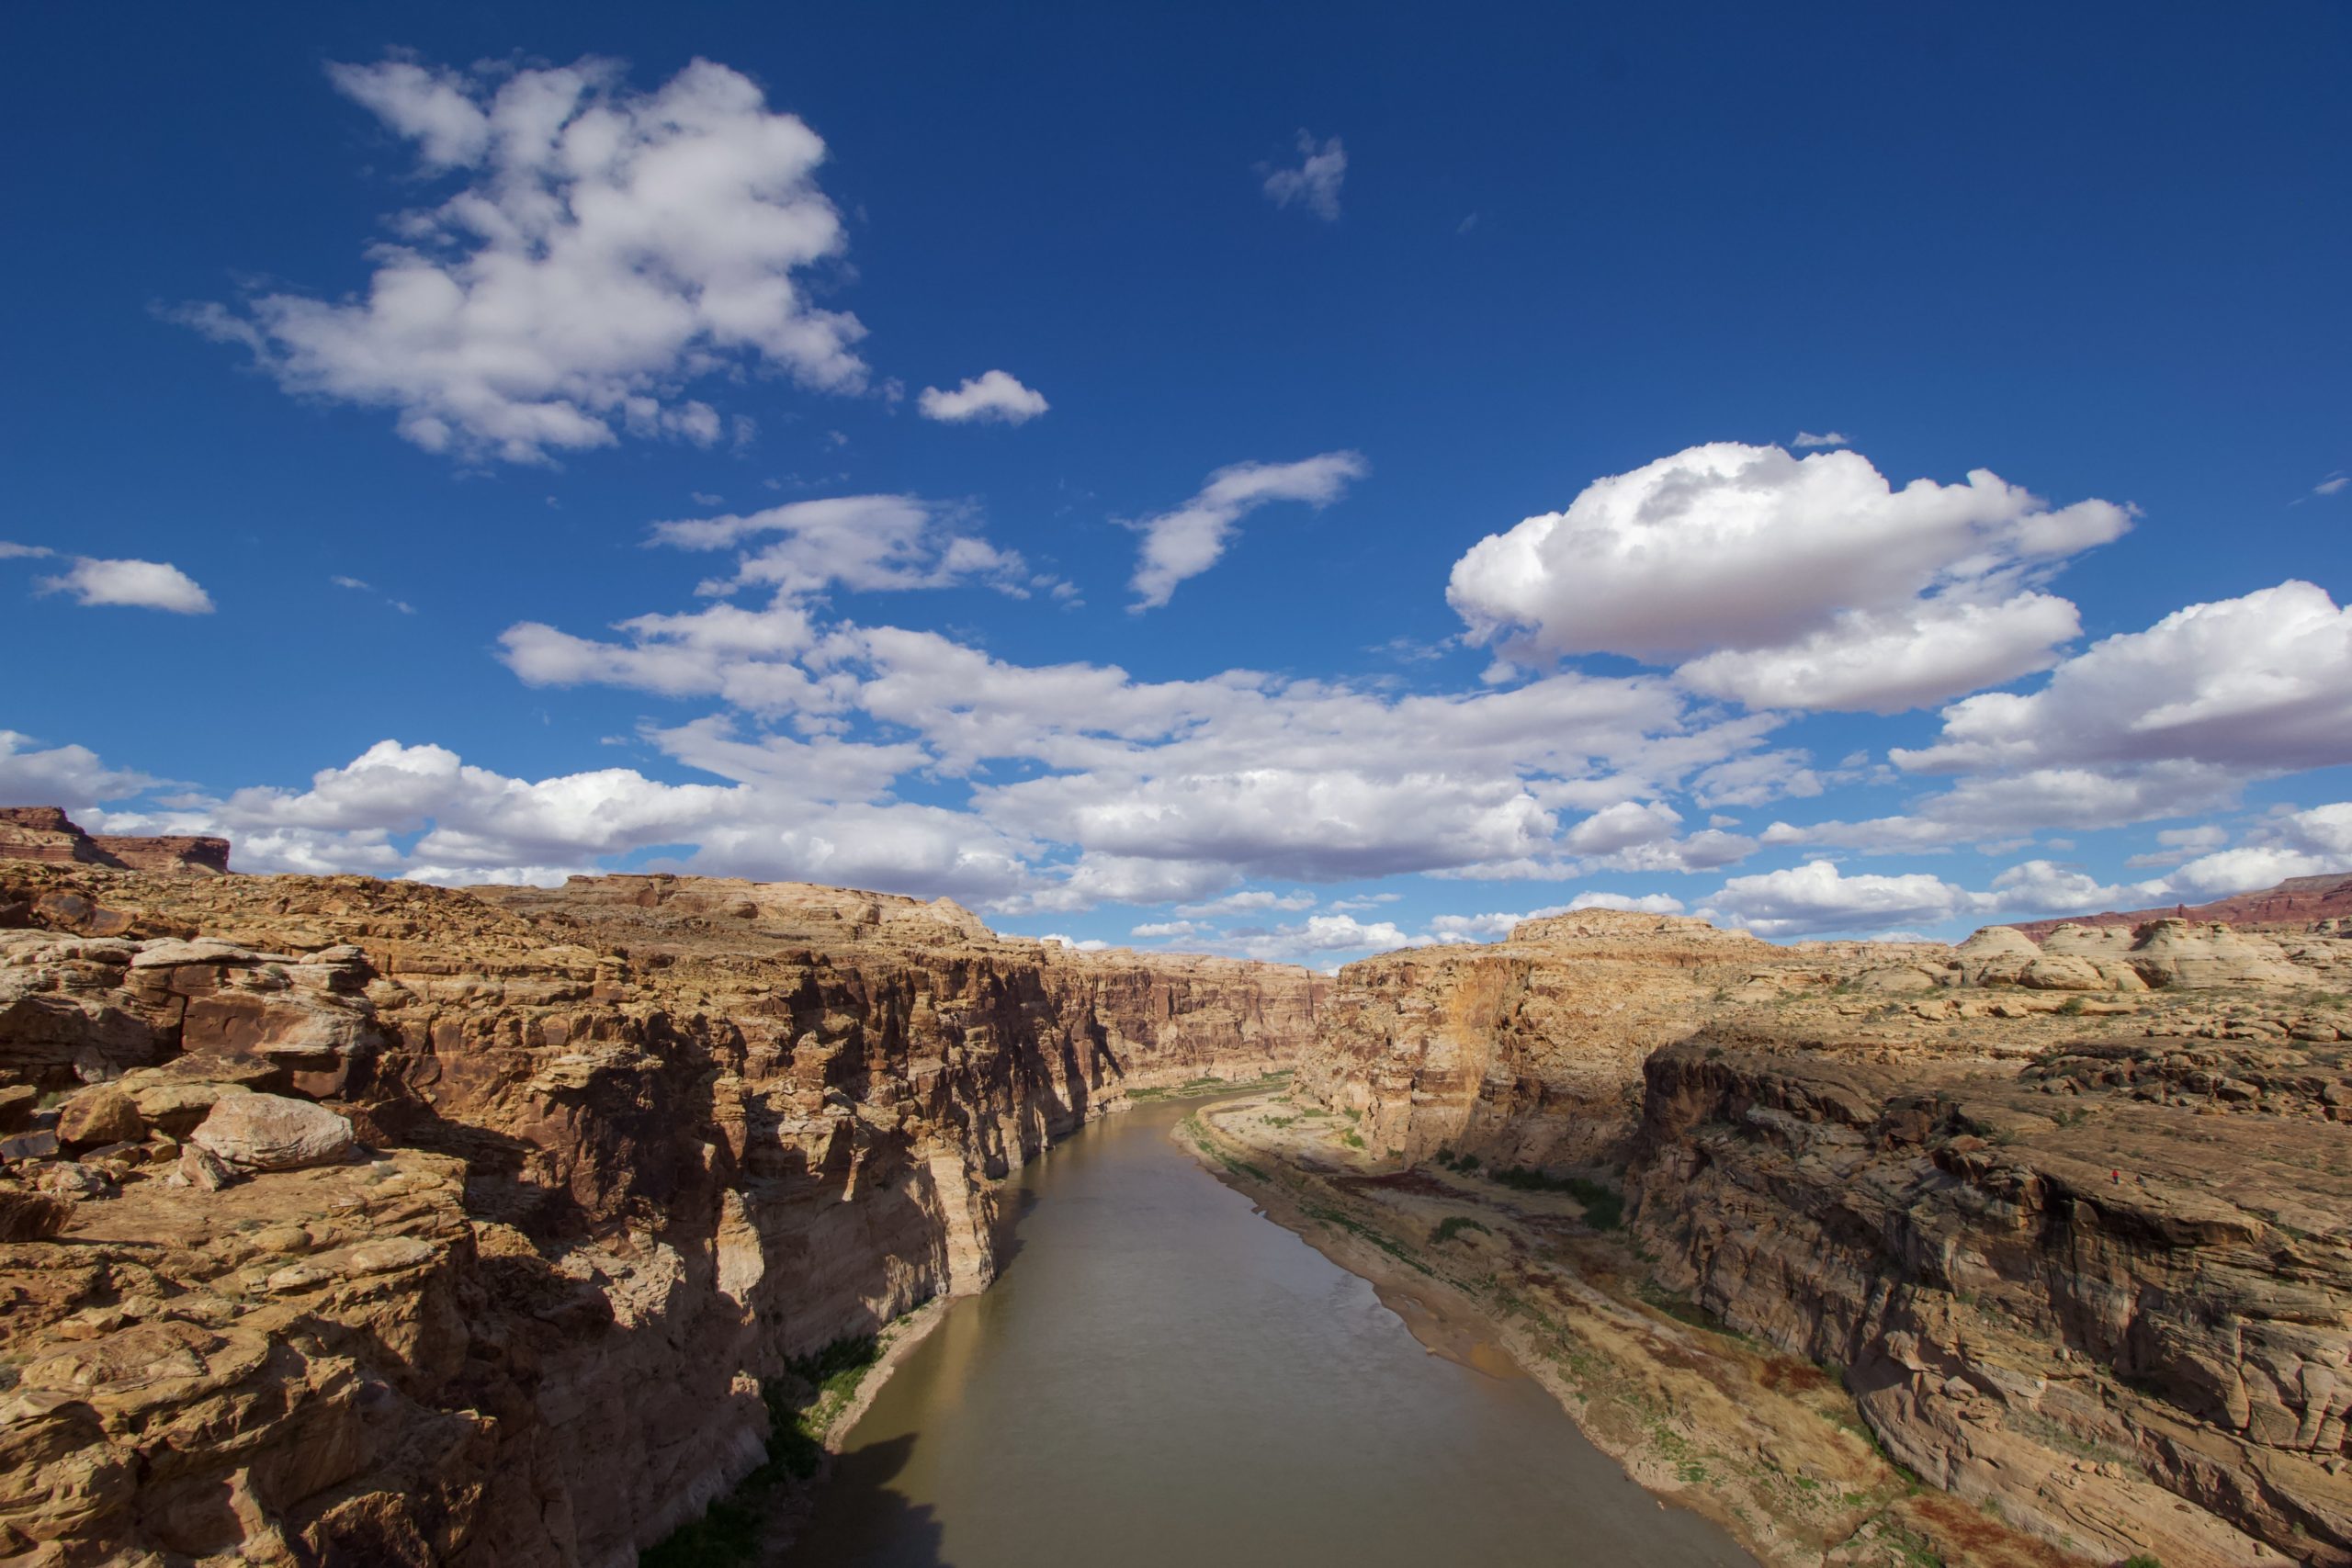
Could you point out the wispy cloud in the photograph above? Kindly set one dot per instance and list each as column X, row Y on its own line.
column 1315, row 182
column 1188, row 541
column 361, row 585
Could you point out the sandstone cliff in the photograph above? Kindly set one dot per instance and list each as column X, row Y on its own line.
column 399, row 1224
column 45, row 833
column 2298, row 902
column 1528, row 1051
column 2072, row 1220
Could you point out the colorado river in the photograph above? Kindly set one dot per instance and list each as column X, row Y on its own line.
column 1161, row 1377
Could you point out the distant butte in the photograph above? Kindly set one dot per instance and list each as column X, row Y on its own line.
column 45, row 833
column 2298, row 901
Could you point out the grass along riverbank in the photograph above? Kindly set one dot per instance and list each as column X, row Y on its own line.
column 1533, row 1275
column 1208, row 1087
column 813, row 1405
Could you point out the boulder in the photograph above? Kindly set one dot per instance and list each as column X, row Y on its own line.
column 2196, row 954
column 39, row 1144
column 18, row 1103
column 1996, row 956
column 75, row 1183
column 203, row 1170
column 2061, row 972
column 269, row 1132
column 31, row 1216
column 101, row 1115
column 178, row 1095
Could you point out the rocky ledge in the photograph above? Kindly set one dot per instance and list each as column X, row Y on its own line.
column 45, row 833
column 2064, row 1226
column 346, row 1221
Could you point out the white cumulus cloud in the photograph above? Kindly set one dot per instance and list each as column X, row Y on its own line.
column 70, row 776
column 1787, row 582
column 2258, row 683
column 607, row 247
column 138, row 584
column 1319, row 936
column 1817, row 897
column 995, row 397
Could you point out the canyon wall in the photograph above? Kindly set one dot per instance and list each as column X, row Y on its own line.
column 46, row 834
column 1528, row 1051
column 570, row 1172
column 2072, row 1219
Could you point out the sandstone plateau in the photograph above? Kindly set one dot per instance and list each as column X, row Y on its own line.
column 2300, row 901
column 46, row 834
column 353, row 1221
column 2062, row 1229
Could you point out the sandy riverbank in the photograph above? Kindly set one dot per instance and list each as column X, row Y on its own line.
column 1518, row 1283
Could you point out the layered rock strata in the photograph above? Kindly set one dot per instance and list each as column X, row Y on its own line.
column 2072, row 1219
column 45, row 833
column 2296, row 903
column 1528, row 1051
column 617, row 1150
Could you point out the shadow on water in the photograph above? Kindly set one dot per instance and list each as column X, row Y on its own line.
column 1168, row 1380
column 880, row 1527
column 1021, row 1202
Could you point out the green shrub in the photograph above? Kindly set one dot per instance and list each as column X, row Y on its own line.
column 1454, row 1226
column 1604, row 1206
column 800, row 1406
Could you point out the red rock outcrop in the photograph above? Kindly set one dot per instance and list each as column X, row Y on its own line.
column 2298, row 902
column 46, row 834
column 626, row 1146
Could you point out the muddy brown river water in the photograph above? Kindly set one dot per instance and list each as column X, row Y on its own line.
column 1161, row 1377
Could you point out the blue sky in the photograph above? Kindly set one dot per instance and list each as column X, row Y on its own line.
column 1282, row 483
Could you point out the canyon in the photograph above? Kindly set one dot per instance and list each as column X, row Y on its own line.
column 355, row 1221
column 2007, row 1252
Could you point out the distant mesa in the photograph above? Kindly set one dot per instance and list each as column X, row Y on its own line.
column 45, row 833
column 2300, row 901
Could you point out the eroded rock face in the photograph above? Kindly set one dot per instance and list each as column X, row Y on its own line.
column 46, row 834
column 2298, row 902
column 2074, row 1218
column 621, row 1149
column 2152, row 1304
column 1528, row 1051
